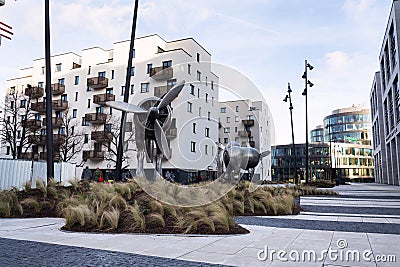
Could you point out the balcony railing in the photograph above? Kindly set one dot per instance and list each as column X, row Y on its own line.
column 102, row 136
column 171, row 133
column 30, row 156
column 60, row 104
column 59, row 138
column 97, row 82
column 35, row 139
column 32, row 124
column 103, row 98
column 93, row 155
column 161, row 73
column 34, row 92
column 39, row 107
column 244, row 133
column 57, row 89
column 248, row 122
column 96, row 118
column 57, row 122
column 56, row 156
column 41, row 139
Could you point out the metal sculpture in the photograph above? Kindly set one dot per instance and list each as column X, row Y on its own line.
column 152, row 118
column 236, row 158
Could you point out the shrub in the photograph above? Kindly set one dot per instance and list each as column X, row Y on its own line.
column 111, row 217
column 31, row 203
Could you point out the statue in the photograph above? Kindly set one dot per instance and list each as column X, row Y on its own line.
column 236, row 157
column 152, row 118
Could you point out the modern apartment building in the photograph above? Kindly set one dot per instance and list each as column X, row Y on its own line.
column 82, row 84
column 250, row 124
column 385, row 103
column 317, row 134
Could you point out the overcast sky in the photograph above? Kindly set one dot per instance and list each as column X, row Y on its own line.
column 267, row 40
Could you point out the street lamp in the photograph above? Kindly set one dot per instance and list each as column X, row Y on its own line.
column 288, row 96
column 307, row 83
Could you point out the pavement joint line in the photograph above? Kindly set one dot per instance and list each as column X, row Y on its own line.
column 350, row 215
column 201, row 247
column 370, row 246
column 32, row 227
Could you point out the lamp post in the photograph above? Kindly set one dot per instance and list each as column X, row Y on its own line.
column 288, row 96
column 120, row 151
column 305, row 93
column 328, row 126
column 49, row 108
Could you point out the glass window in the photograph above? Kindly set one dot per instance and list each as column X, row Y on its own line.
column 223, row 110
column 189, row 107
column 76, row 82
column 193, row 146
column 144, row 88
column 58, row 67
column 74, row 113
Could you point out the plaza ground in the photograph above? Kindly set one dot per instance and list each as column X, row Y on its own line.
column 364, row 217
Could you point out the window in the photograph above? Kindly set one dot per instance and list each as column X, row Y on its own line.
column 8, row 151
column 89, row 69
column 212, row 85
column 122, row 90
column 76, row 82
column 84, row 122
column 8, row 119
column 58, row 67
column 74, row 113
column 112, row 74
column 43, row 69
column 102, row 74
column 40, row 84
column 23, row 103
column 206, row 149
column 226, row 140
column 189, row 107
column 167, row 64
column 189, row 68
column 237, row 108
column 227, row 130
column 132, row 89
column 171, row 83
column 12, row 104
column 198, row 92
column 192, row 89
column 223, row 110
column 207, row 132
column 86, row 139
column 198, row 57
column 194, row 127
column 209, row 115
column 62, row 130
column 144, row 88
column 19, row 134
column 228, row 119
column 88, row 103
column 237, row 118
column 111, row 110
column 193, row 147
column 133, row 71
column 236, row 129
column 61, row 81
column 76, row 96
column 198, row 75
column 212, row 101
column 64, row 97
column 206, row 98
column 133, row 53
column 149, row 67
column 206, row 81
column 199, row 111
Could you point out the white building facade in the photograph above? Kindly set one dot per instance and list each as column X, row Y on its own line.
column 82, row 84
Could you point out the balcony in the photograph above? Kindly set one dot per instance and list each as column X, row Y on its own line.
column 57, row 89
column 41, row 139
column 36, row 139
column 250, row 143
column 248, row 123
column 39, row 107
column 93, row 155
column 244, row 133
column 97, row 82
column 30, row 156
column 32, row 124
column 58, row 139
column 96, row 118
column 103, row 98
column 102, row 136
column 171, row 133
column 159, row 91
column 161, row 73
column 56, row 156
column 34, row 92
column 57, row 122
column 60, row 104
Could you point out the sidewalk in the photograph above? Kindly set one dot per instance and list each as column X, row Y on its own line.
column 365, row 217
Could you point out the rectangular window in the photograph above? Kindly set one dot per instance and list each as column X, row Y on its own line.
column 193, row 147
column 149, row 67
column 88, row 103
column 43, row 70
column 41, row 84
column 112, row 74
column 86, row 139
column 228, row 119
column 23, row 103
column 89, row 70
column 76, row 82
column 64, row 97
column 76, row 96
column 206, row 98
column 74, row 113
column 167, row 64
column 226, row 140
column 8, row 151
column 207, row 132
column 133, row 71
column 192, row 89
column 189, row 107
column 236, row 129
column 198, row 75
column 62, row 130
column 212, row 85
column 206, row 149
column 19, row 134
column 58, row 67
column 237, row 108
column 84, row 122
column 227, row 130
column 61, row 81
column 12, row 104
column 132, row 89
column 198, row 92
column 209, row 115
column 102, row 74
column 237, row 118
column 194, row 128
column 122, row 90
column 144, row 88
column 189, row 69
column 212, row 101
column 223, row 110
column 198, row 57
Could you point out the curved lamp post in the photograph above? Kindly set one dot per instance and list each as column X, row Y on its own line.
column 305, row 93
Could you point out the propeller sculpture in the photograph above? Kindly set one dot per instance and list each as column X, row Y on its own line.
column 152, row 118
column 236, row 157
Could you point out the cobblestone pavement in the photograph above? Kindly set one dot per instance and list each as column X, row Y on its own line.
column 27, row 253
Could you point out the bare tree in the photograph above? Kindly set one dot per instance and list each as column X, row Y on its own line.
column 71, row 138
column 19, row 121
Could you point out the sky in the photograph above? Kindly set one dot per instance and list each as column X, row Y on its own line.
column 266, row 40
